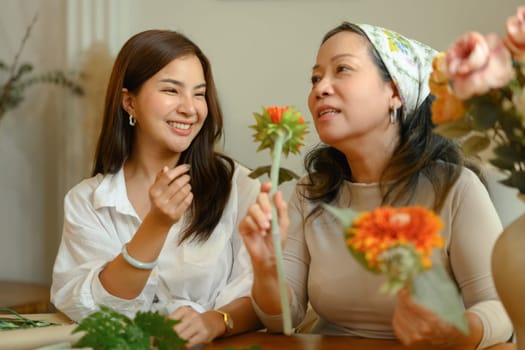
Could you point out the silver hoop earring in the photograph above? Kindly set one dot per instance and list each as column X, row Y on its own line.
column 393, row 116
column 132, row 120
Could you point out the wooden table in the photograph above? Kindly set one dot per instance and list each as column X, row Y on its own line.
column 317, row 342
column 32, row 338
column 25, row 298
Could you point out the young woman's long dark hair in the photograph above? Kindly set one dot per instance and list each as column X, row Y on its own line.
column 141, row 57
column 419, row 152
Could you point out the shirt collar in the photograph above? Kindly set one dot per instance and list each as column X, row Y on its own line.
column 112, row 193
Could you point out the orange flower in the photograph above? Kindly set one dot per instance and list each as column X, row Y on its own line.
column 375, row 232
column 276, row 113
column 285, row 120
column 438, row 80
column 447, row 108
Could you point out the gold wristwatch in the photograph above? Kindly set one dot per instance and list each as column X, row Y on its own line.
column 228, row 322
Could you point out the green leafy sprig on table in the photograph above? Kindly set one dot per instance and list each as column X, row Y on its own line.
column 108, row 329
column 19, row 321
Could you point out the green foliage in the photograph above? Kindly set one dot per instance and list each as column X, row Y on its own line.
column 455, row 129
column 291, row 122
column 474, row 144
column 109, row 330
column 20, row 76
column 19, row 321
column 402, row 264
column 434, row 290
column 494, row 119
column 284, row 174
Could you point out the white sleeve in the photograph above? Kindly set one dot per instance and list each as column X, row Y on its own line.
column 88, row 243
column 244, row 193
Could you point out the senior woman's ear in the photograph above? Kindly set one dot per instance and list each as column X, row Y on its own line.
column 395, row 99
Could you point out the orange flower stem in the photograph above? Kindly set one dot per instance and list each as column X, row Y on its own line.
column 274, row 176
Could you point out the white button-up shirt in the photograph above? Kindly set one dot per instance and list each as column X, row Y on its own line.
column 99, row 219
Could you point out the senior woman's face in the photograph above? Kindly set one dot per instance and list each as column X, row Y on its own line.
column 348, row 98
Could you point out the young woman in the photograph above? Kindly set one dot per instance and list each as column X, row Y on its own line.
column 370, row 105
column 155, row 228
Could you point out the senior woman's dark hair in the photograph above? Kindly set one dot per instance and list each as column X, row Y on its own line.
column 419, row 152
column 141, row 57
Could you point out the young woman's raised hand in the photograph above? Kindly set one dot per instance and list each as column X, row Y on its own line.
column 171, row 194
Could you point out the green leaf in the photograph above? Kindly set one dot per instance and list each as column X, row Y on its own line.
column 516, row 180
column 359, row 256
column 485, row 114
column 519, row 180
column 434, row 290
column 502, row 164
column 161, row 328
column 19, row 321
column 454, row 129
column 344, row 215
column 24, row 69
column 400, row 264
column 284, row 174
column 508, row 153
column 107, row 329
column 260, row 171
column 475, row 144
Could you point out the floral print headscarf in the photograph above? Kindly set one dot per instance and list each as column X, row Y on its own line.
column 408, row 61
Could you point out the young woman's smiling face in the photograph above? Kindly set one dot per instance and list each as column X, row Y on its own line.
column 170, row 107
column 349, row 99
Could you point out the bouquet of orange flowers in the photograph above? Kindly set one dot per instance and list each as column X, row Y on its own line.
column 398, row 243
column 480, row 97
column 282, row 130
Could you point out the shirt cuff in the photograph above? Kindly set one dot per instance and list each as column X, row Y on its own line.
column 174, row 305
column 274, row 323
column 497, row 327
column 128, row 307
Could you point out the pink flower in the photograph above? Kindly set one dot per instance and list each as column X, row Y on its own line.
column 515, row 39
column 477, row 64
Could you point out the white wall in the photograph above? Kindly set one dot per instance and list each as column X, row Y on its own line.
column 261, row 51
column 31, row 145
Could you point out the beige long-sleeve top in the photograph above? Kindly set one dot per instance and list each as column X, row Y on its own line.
column 346, row 297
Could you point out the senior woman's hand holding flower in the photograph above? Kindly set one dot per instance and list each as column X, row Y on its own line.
column 282, row 130
column 399, row 243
